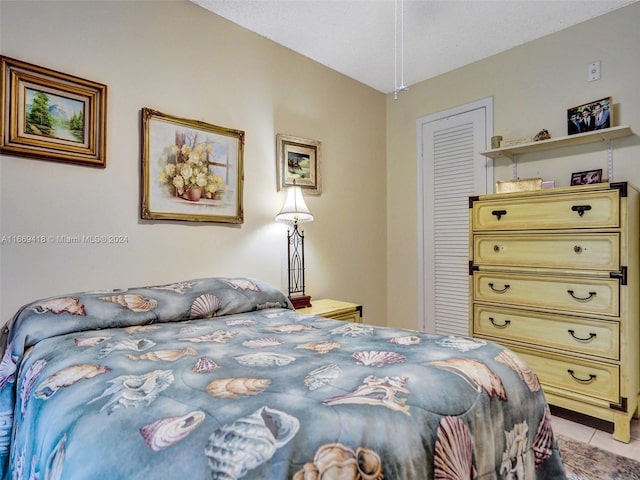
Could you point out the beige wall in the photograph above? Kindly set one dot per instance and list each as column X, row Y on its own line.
column 181, row 60
column 533, row 86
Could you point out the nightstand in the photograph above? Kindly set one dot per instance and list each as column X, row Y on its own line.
column 349, row 312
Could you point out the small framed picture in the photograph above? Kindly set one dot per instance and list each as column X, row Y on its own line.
column 594, row 115
column 586, row 178
column 51, row 115
column 298, row 162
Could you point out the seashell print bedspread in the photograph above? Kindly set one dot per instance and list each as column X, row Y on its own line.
column 219, row 378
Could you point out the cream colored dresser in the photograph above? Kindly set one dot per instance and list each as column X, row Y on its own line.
column 553, row 275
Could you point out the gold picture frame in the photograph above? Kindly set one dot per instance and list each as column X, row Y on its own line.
column 191, row 170
column 51, row 115
column 298, row 160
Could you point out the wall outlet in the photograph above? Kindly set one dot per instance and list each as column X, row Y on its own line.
column 593, row 72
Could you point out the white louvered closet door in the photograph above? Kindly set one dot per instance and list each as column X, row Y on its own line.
column 452, row 169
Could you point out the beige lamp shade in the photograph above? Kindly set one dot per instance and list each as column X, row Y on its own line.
column 294, row 209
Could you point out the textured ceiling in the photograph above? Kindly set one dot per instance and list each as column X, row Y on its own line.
column 356, row 37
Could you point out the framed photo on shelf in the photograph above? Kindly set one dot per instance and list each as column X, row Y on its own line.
column 52, row 115
column 298, row 160
column 586, row 178
column 191, row 170
column 594, row 115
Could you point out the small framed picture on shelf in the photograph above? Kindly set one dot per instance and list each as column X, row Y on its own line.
column 594, row 115
column 586, row 178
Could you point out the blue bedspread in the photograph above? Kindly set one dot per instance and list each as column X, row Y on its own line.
column 219, row 378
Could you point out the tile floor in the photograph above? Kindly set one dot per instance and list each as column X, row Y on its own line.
column 596, row 433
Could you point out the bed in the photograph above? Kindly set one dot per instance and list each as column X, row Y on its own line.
column 220, row 378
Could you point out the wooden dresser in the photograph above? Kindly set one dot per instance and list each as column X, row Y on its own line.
column 553, row 275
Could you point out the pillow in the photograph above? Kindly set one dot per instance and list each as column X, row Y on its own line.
column 199, row 298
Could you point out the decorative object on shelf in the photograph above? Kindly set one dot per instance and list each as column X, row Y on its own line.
column 298, row 162
column 519, row 185
column 542, row 135
column 496, row 141
column 513, row 143
column 549, row 184
column 595, row 115
column 586, row 178
column 191, row 170
column 52, row 115
column 295, row 211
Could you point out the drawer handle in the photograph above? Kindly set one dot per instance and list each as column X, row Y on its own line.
column 496, row 248
column 497, row 290
column 582, row 299
column 591, row 378
column 498, row 325
column 581, row 209
column 577, row 249
column 591, row 336
column 499, row 213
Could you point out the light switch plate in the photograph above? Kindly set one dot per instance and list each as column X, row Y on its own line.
column 594, row 71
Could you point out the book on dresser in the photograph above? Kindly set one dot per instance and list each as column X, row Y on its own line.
column 554, row 275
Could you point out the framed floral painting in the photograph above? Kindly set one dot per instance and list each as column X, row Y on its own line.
column 191, row 170
column 51, row 115
column 298, row 162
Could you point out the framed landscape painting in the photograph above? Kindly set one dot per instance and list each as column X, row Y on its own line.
column 52, row 115
column 191, row 170
column 298, row 162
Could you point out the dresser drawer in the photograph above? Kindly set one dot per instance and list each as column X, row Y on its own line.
column 348, row 317
column 580, row 251
column 598, row 380
column 594, row 209
column 569, row 294
column 597, row 338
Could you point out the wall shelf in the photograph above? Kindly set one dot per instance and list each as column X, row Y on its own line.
column 604, row 135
